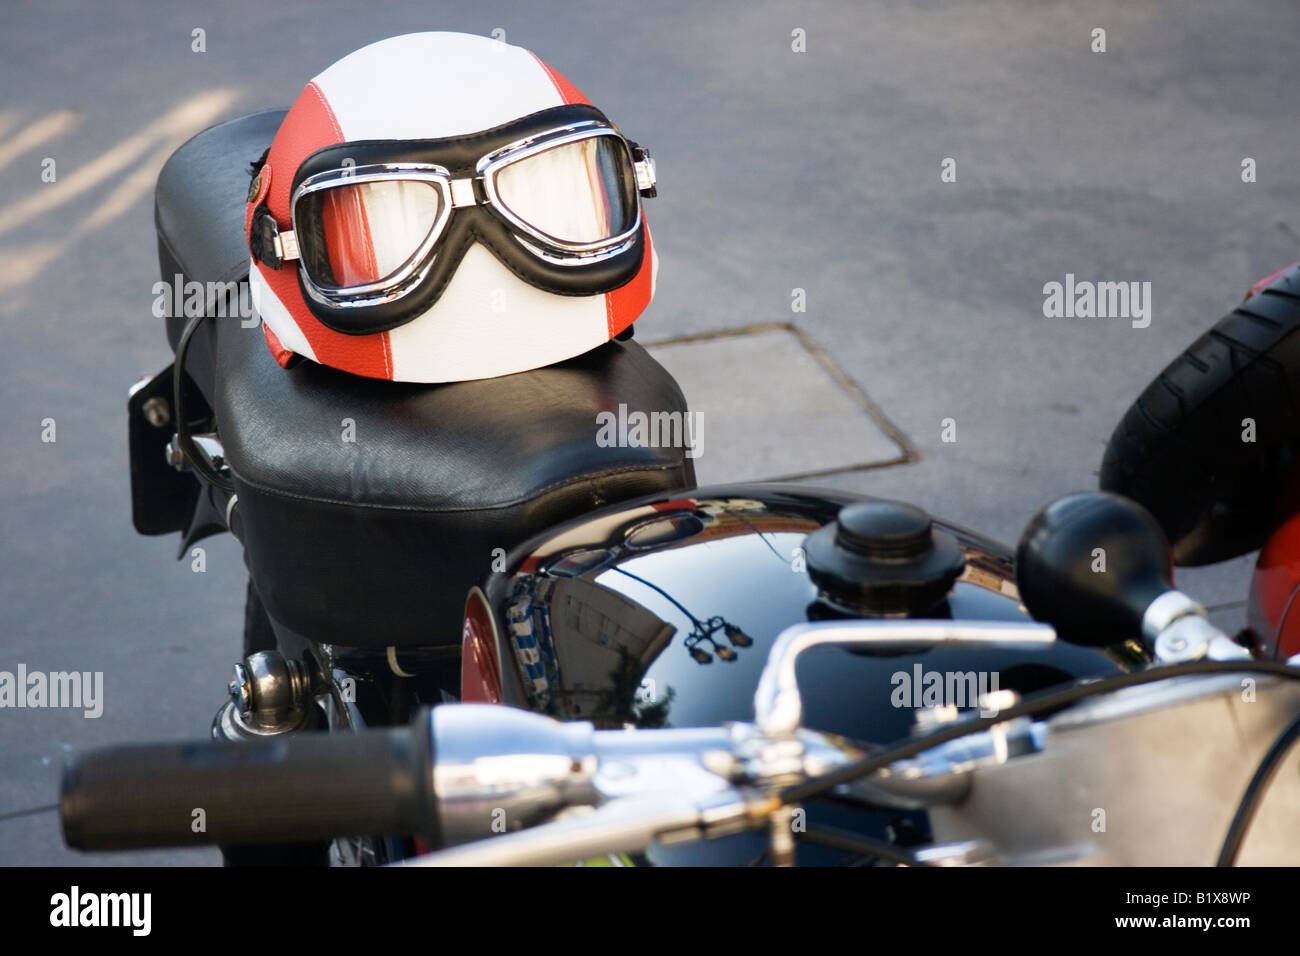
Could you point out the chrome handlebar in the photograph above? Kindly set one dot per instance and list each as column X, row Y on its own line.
column 500, row 785
column 500, row 770
column 778, row 707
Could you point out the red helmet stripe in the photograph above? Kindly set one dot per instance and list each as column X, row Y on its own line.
column 568, row 92
column 624, row 304
column 309, row 126
column 282, row 354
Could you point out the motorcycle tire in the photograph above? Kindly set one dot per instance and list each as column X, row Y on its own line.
column 1185, row 450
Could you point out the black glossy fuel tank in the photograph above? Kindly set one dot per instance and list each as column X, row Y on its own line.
column 661, row 613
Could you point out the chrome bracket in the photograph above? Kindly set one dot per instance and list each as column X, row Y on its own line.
column 778, row 707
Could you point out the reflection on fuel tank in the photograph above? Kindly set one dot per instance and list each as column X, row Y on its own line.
column 584, row 646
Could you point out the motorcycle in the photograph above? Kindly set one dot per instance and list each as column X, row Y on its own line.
column 475, row 636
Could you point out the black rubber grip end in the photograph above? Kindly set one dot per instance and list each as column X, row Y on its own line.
column 295, row 788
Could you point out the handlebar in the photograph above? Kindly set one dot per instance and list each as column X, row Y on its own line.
column 468, row 770
column 294, row 788
column 462, row 774
column 495, row 765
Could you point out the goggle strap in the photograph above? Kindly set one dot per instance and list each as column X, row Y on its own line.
column 644, row 167
column 267, row 243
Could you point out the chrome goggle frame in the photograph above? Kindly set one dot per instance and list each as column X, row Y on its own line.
column 491, row 165
column 480, row 189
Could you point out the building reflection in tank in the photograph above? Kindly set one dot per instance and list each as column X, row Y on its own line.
column 591, row 623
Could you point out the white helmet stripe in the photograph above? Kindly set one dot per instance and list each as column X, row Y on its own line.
column 488, row 323
column 275, row 315
column 488, row 83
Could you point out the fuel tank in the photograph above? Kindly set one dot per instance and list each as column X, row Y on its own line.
column 661, row 612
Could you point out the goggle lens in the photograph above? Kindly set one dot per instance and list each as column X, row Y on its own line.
column 355, row 234
column 579, row 192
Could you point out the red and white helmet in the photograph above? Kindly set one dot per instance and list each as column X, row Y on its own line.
column 441, row 207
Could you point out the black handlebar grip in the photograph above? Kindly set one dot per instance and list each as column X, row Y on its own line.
column 1090, row 564
column 295, row 788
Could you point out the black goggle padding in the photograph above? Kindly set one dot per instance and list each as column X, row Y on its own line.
column 479, row 224
column 458, row 154
column 468, row 224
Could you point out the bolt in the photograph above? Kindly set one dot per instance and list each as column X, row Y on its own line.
column 157, row 412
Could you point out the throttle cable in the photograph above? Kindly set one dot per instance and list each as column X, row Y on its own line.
column 1255, row 790
column 1046, row 700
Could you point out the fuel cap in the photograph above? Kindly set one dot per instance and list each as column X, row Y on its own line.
column 883, row 558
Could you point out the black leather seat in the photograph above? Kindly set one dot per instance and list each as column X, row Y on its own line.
column 376, row 540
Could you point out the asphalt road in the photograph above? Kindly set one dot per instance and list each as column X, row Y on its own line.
column 817, row 170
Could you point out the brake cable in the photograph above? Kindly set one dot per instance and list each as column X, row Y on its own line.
column 813, row 786
column 855, row 843
column 1255, row 790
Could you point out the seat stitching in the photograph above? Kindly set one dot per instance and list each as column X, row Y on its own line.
column 500, row 506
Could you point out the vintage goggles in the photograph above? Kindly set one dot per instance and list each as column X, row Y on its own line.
column 378, row 227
